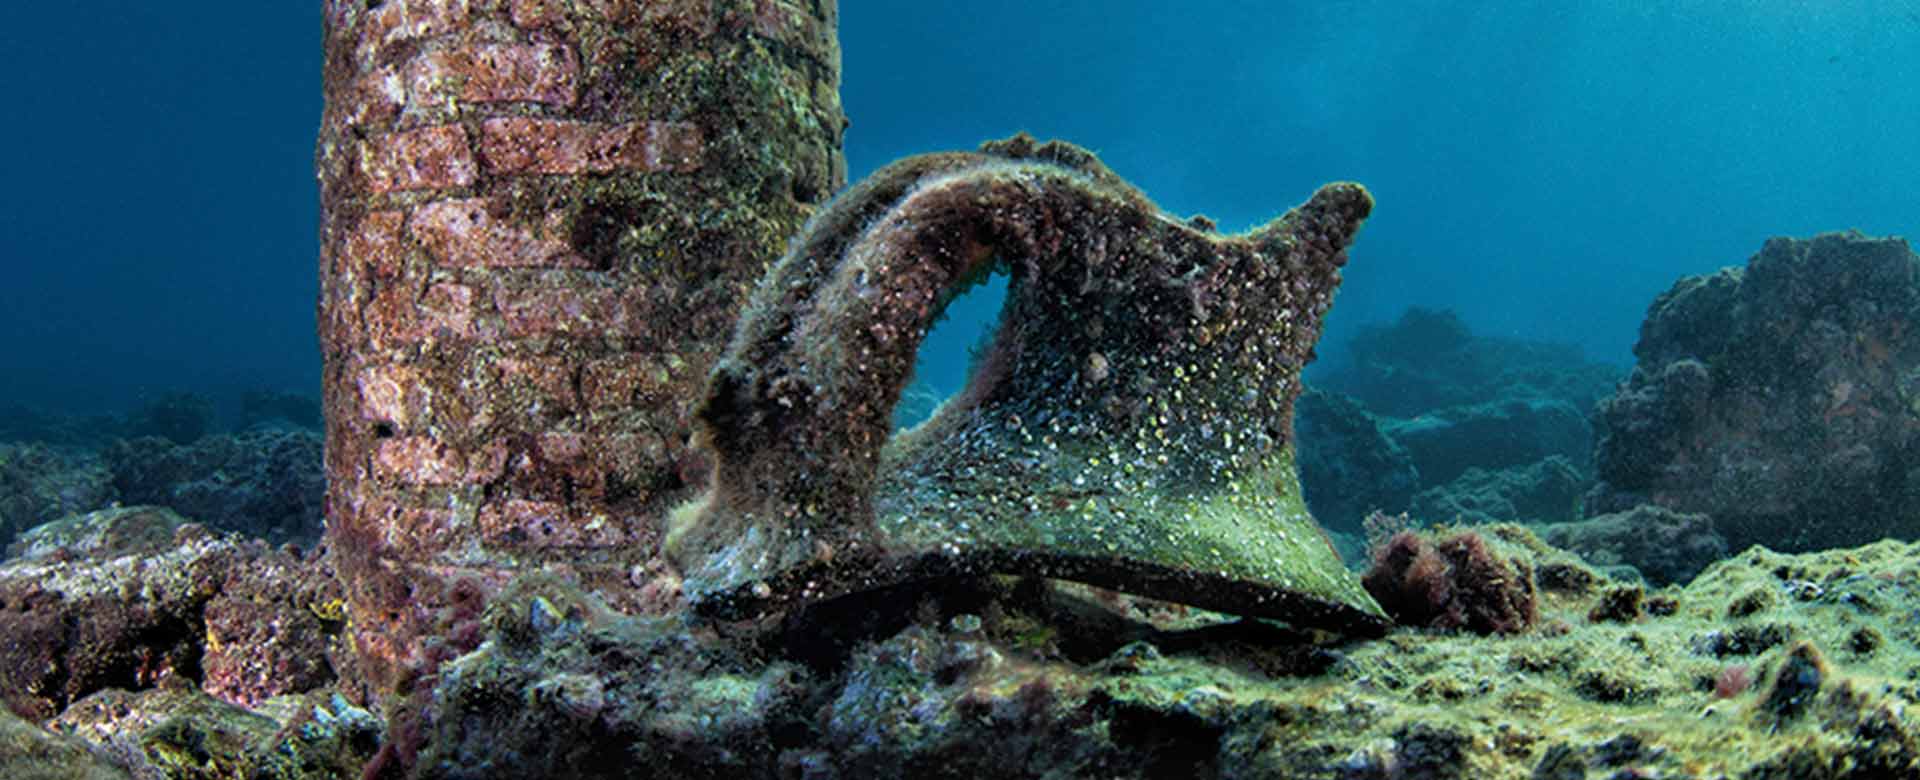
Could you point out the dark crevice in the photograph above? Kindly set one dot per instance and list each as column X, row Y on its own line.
column 599, row 227
column 823, row 636
column 1171, row 743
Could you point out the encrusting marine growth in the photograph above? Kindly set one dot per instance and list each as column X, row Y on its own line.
column 539, row 222
column 1130, row 426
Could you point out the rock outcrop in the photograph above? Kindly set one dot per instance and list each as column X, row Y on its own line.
column 1429, row 359
column 1782, row 399
column 132, row 598
column 41, row 483
column 1659, row 544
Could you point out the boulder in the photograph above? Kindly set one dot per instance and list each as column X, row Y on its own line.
column 1780, row 398
column 102, row 535
column 101, row 601
column 28, row 752
column 173, row 730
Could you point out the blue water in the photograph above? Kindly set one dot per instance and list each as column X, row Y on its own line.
column 1545, row 168
column 158, row 220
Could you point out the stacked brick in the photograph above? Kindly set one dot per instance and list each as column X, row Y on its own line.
column 540, row 219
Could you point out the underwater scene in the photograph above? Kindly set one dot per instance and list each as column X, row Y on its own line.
column 822, row 389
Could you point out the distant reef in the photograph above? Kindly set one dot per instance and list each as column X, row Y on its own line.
column 1424, row 415
column 1429, row 359
column 258, row 473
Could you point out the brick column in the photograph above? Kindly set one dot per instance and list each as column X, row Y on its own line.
column 539, row 219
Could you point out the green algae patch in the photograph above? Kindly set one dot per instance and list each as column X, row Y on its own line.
column 1104, row 521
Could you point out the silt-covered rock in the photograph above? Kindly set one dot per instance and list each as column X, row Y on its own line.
column 28, row 752
column 1028, row 678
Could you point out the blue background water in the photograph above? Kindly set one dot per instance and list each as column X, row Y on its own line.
column 1544, row 168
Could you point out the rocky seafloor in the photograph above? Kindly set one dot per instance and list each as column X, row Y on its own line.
column 1766, row 665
